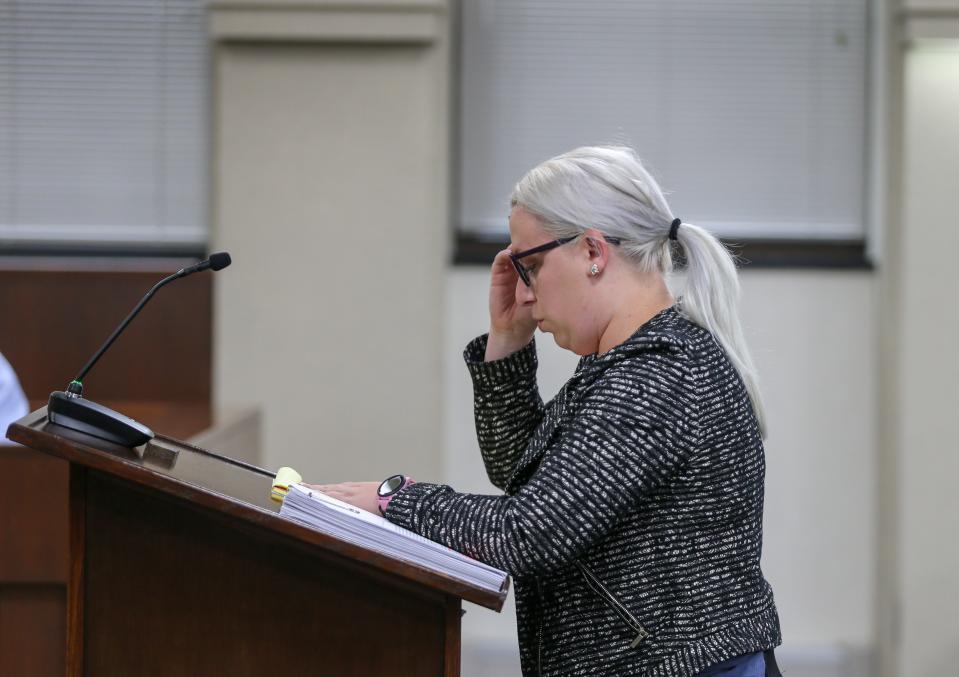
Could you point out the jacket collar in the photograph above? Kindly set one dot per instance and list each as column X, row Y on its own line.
column 661, row 332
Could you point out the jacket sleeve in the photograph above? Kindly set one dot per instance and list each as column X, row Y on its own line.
column 629, row 437
column 506, row 404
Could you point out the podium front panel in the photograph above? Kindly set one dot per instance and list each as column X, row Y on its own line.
column 171, row 590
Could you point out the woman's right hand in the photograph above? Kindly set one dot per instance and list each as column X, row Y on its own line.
column 511, row 323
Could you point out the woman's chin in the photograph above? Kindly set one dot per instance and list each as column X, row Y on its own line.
column 544, row 330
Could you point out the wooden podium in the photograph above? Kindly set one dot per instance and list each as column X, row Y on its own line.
column 181, row 565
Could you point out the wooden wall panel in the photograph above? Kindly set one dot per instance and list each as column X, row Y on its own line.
column 32, row 630
column 52, row 321
column 33, row 517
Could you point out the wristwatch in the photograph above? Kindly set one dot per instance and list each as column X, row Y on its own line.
column 389, row 488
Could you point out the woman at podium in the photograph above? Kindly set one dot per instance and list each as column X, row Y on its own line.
column 631, row 518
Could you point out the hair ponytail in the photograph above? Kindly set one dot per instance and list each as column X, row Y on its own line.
column 711, row 300
column 607, row 188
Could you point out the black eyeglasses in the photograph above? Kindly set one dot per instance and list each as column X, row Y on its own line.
column 521, row 269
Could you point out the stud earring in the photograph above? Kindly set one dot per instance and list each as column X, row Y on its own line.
column 594, row 270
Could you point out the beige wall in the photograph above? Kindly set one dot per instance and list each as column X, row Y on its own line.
column 928, row 332
column 918, row 554
column 330, row 174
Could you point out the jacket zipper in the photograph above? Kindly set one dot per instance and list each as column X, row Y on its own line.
column 624, row 614
column 539, row 632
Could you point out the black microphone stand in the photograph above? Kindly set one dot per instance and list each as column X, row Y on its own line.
column 70, row 410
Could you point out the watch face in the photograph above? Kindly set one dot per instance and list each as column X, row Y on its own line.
column 390, row 485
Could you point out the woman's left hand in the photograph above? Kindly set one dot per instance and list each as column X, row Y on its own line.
column 359, row 494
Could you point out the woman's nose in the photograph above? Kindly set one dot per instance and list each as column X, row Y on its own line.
column 524, row 294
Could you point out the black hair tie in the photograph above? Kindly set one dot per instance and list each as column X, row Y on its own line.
column 673, row 228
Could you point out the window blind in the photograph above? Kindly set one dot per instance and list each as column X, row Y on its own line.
column 750, row 113
column 103, row 122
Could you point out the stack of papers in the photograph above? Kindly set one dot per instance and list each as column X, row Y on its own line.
column 346, row 522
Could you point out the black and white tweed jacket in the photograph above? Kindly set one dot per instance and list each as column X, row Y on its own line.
column 631, row 519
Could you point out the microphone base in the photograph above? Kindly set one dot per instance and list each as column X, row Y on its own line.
column 94, row 419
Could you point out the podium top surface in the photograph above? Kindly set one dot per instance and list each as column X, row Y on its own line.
column 228, row 486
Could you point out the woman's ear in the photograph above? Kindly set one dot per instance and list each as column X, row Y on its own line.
column 597, row 249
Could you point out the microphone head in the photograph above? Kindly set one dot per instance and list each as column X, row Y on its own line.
column 219, row 261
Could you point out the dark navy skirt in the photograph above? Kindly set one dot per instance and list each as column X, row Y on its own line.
column 750, row 665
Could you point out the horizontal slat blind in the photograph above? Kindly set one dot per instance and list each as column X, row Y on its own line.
column 103, row 121
column 751, row 113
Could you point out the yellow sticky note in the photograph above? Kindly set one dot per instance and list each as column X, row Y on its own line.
column 281, row 484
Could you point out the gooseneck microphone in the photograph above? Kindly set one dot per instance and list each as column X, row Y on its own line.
column 70, row 410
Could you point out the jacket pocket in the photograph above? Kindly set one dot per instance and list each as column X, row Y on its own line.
column 604, row 594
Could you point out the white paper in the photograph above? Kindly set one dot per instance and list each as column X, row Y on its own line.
column 349, row 523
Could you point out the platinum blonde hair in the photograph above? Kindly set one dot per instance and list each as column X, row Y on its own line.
column 607, row 188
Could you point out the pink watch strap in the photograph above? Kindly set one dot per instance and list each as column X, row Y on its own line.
column 385, row 500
